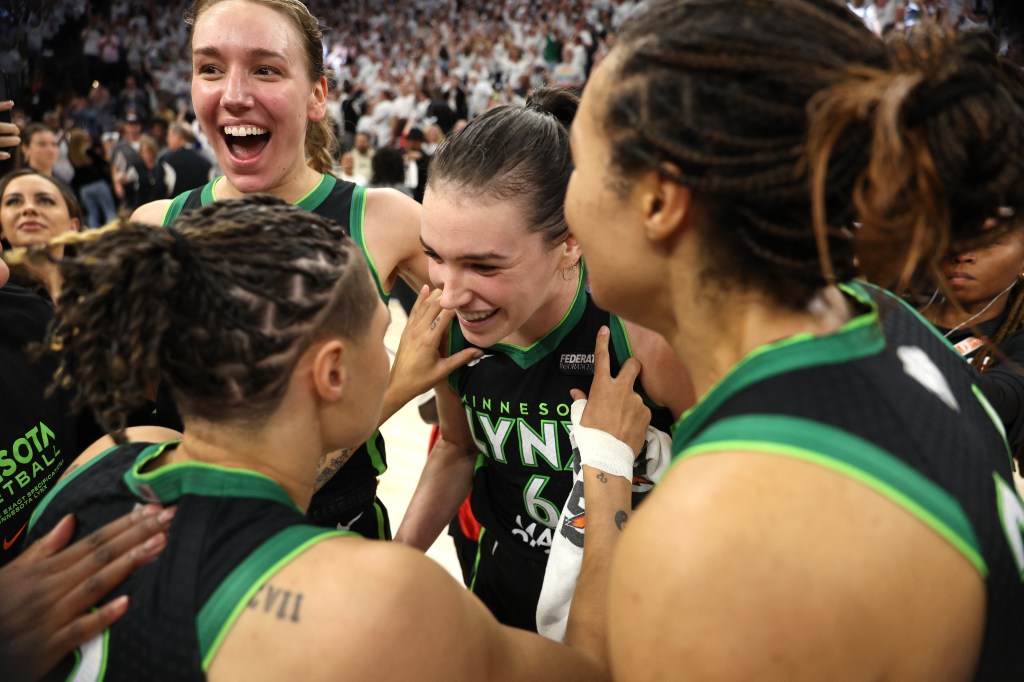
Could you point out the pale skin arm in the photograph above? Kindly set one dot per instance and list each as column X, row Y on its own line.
column 392, row 232
column 151, row 213
column 751, row 565
column 664, row 379
column 446, row 478
column 380, row 611
column 616, row 409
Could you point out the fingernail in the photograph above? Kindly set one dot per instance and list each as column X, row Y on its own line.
column 603, row 331
column 158, row 540
column 149, row 510
column 4, row 156
column 167, row 514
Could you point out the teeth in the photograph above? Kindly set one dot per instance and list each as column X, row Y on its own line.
column 473, row 317
column 242, row 131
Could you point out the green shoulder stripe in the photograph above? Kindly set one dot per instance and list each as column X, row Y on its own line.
column 623, row 350
column 356, row 230
column 174, row 210
column 62, row 483
column 851, row 456
column 225, row 605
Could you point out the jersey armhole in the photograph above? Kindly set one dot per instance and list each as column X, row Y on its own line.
column 622, row 350
column 225, row 605
column 356, row 217
column 175, row 207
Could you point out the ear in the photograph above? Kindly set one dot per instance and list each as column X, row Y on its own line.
column 75, row 224
column 328, row 371
column 570, row 252
column 317, row 108
column 667, row 206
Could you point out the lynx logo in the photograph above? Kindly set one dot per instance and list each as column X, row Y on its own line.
column 576, row 364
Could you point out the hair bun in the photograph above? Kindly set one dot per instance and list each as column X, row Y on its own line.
column 560, row 103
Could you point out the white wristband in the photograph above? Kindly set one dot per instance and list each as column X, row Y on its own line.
column 599, row 449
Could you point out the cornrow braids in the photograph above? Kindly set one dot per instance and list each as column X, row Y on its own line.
column 946, row 143
column 989, row 353
column 220, row 307
column 713, row 94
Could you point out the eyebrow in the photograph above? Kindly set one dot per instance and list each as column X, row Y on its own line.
column 488, row 255
column 258, row 52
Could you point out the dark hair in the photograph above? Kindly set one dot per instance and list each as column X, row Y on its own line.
column 220, row 307
column 387, row 167
column 515, row 152
column 320, row 140
column 74, row 208
column 724, row 106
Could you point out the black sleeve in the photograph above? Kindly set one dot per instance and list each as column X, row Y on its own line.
column 1003, row 385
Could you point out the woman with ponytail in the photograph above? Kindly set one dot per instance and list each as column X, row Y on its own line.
column 841, row 503
column 265, row 322
column 514, row 288
column 259, row 90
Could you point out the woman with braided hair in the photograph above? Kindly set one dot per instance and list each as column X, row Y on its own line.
column 841, row 504
column 265, row 322
column 259, row 90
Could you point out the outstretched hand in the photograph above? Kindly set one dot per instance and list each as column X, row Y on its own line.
column 9, row 134
column 420, row 361
column 613, row 406
column 45, row 593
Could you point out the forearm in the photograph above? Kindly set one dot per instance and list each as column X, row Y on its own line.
column 443, row 485
column 608, row 505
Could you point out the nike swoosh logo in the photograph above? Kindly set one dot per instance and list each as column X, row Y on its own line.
column 349, row 526
column 9, row 543
column 475, row 362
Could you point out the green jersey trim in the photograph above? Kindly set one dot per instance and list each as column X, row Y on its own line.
column 865, row 287
column 373, row 450
column 225, row 605
column 851, row 456
column 860, row 337
column 996, row 421
column 174, row 481
column 174, row 208
column 45, row 502
column 623, row 350
column 538, row 350
column 356, row 225
column 316, row 196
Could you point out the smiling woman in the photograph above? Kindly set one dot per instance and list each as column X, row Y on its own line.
column 259, row 88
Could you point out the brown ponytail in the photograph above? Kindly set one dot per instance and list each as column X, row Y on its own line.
column 321, row 145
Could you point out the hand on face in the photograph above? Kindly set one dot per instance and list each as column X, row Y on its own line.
column 9, row 133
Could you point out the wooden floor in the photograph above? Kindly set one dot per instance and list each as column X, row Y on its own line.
column 406, row 437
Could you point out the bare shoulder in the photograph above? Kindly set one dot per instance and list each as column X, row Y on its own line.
column 151, row 213
column 762, row 566
column 368, row 610
column 664, row 377
column 392, row 233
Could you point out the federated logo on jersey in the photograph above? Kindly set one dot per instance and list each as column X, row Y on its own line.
column 576, row 364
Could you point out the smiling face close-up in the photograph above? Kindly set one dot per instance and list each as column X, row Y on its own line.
column 503, row 281
column 33, row 211
column 253, row 93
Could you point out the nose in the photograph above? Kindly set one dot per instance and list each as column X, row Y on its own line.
column 966, row 257
column 454, row 293
column 236, row 91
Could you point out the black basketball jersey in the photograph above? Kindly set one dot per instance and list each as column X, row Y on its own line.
column 517, row 403
column 889, row 403
column 345, row 203
column 233, row 530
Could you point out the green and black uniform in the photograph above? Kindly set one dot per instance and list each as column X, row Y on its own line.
column 517, row 404
column 349, row 499
column 897, row 410
column 232, row 531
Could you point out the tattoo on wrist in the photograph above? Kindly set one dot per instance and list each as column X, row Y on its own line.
column 601, row 477
column 283, row 604
column 338, row 460
column 620, row 519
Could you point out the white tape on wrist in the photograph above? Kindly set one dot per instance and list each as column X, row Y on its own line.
column 599, row 449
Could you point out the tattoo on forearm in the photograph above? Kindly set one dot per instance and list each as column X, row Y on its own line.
column 338, row 460
column 601, row 477
column 620, row 519
column 283, row 604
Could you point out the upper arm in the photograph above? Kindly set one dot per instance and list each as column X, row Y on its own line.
column 663, row 376
column 151, row 213
column 391, row 230
column 762, row 566
column 374, row 611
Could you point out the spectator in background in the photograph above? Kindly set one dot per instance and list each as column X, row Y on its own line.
column 186, row 168
column 389, row 170
column 124, row 157
column 362, row 157
column 417, row 161
column 345, row 169
column 39, row 148
column 91, row 181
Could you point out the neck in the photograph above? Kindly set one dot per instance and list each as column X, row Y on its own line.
column 714, row 333
column 284, row 447
column 291, row 188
